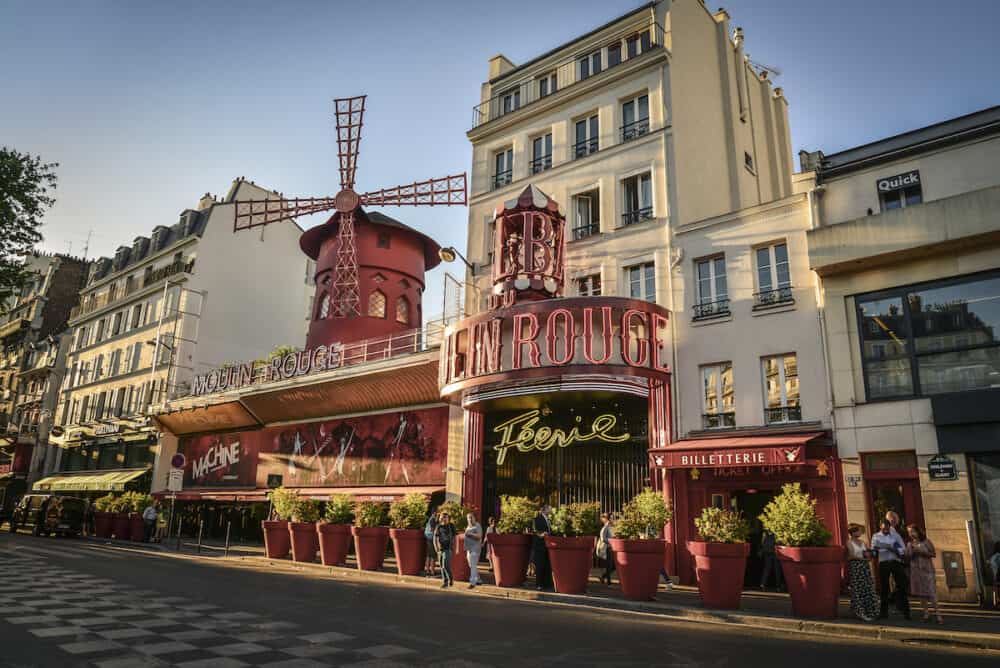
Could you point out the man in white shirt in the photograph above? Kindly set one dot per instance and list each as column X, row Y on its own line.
column 890, row 548
column 149, row 522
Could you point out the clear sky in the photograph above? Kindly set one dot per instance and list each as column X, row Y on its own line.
column 146, row 106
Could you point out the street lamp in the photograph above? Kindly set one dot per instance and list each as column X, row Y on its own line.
column 450, row 253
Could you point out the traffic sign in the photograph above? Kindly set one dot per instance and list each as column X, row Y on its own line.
column 178, row 460
column 175, row 480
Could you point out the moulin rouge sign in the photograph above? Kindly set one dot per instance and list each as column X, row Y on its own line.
column 292, row 365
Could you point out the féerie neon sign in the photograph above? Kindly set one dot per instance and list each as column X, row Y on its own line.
column 521, row 433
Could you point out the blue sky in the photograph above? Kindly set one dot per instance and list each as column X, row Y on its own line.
column 147, row 106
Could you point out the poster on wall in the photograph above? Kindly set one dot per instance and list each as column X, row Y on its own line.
column 219, row 460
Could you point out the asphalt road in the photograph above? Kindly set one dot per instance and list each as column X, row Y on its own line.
column 73, row 603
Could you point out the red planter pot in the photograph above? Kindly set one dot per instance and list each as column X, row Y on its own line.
column 459, row 562
column 276, row 539
column 334, row 543
column 104, row 524
column 571, row 559
column 510, row 558
column 720, row 568
column 639, row 563
column 813, row 578
column 410, row 547
column 369, row 546
column 122, row 526
column 138, row 527
column 304, row 541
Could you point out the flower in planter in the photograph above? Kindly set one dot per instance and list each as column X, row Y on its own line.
column 458, row 514
column 791, row 517
column 339, row 509
column 307, row 511
column 105, row 504
column 576, row 519
column 643, row 516
column 717, row 525
column 409, row 512
column 285, row 502
column 371, row 514
column 517, row 514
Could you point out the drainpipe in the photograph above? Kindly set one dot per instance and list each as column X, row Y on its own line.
column 675, row 391
column 814, row 222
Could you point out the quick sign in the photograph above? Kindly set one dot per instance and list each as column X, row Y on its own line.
column 898, row 182
column 708, row 459
column 942, row 468
column 525, row 435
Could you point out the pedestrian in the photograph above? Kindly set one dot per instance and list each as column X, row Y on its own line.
column 604, row 551
column 890, row 550
column 444, row 539
column 539, row 553
column 491, row 528
column 473, row 547
column 864, row 602
column 995, row 567
column 88, row 518
column 432, row 522
column 920, row 552
column 769, row 562
column 149, row 522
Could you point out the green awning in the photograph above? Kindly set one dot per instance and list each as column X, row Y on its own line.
column 114, row 481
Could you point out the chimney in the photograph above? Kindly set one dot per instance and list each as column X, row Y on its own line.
column 206, row 201
column 499, row 65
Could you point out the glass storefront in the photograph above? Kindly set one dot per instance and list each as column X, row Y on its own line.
column 986, row 490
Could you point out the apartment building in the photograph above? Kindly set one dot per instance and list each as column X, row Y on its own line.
column 907, row 247
column 164, row 308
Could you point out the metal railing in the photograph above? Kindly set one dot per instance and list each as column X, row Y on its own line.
column 501, row 179
column 783, row 414
column 775, row 297
column 637, row 216
column 115, row 294
column 635, row 129
column 634, row 40
column 718, row 420
column 584, row 231
column 541, row 163
column 714, row 309
column 584, row 148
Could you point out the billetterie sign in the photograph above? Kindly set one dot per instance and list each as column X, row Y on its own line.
column 285, row 367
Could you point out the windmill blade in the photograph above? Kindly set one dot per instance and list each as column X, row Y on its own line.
column 349, row 112
column 444, row 191
column 257, row 213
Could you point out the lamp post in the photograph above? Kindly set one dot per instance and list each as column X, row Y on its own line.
column 450, row 253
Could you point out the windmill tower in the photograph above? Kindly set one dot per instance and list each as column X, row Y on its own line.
column 369, row 267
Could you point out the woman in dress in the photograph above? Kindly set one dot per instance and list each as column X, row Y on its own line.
column 920, row 553
column 864, row 602
column 604, row 551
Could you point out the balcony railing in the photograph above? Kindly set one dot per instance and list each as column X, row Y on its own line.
column 705, row 310
column 584, row 231
column 167, row 271
column 635, row 129
column 584, row 148
column 637, row 216
column 718, row 420
column 635, row 40
column 117, row 294
column 783, row 414
column 775, row 297
column 502, row 179
column 541, row 163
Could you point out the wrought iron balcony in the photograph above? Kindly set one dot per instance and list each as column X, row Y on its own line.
column 706, row 310
column 637, row 216
column 119, row 293
column 775, row 297
column 783, row 414
column 541, row 163
column 635, row 129
column 502, row 179
column 584, row 148
column 718, row 420
column 584, row 231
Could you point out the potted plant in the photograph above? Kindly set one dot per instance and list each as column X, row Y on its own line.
column 811, row 568
column 407, row 517
column 720, row 557
column 571, row 545
column 122, row 523
column 104, row 515
column 276, row 538
column 302, row 530
column 639, row 552
column 458, row 513
column 511, row 543
column 335, row 533
column 371, row 535
column 137, row 503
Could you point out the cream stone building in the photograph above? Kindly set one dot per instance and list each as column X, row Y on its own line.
column 163, row 309
column 907, row 247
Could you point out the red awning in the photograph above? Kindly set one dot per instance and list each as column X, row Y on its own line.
column 762, row 450
column 318, row 493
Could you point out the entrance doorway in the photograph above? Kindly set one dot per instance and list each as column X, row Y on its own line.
column 900, row 496
column 752, row 503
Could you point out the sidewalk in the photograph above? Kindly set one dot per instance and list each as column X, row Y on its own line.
column 966, row 625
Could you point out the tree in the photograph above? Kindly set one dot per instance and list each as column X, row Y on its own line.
column 25, row 186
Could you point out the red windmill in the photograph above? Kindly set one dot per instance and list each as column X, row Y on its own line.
column 337, row 244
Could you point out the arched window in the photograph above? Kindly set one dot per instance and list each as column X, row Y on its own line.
column 324, row 307
column 403, row 311
column 376, row 304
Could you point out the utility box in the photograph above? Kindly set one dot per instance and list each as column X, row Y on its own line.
column 954, row 570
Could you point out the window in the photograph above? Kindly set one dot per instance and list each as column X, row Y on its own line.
column 99, row 367
column 588, row 65
column 900, row 191
column 136, row 315
column 614, row 54
column 635, row 118
column 586, row 137
column 136, row 356
column 510, row 100
column 781, row 389
column 101, row 325
column 376, row 304
column 774, row 282
column 586, row 212
column 324, row 307
column 547, row 84
column 748, row 161
column 589, row 285
column 641, row 281
column 116, row 326
column 504, row 168
column 931, row 338
column 490, row 239
column 81, row 338
column 713, row 292
column 114, row 362
column 638, row 43
column 638, row 193
column 541, row 153
column 718, row 398
column 166, row 349
column 403, row 311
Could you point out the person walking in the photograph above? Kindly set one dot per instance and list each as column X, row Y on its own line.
column 604, row 551
column 864, row 602
column 491, row 528
column 539, row 553
column 769, row 562
column 149, row 522
column 920, row 552
column 890, row 550
column 473, row 547
column 444, row 539
column 432, row 522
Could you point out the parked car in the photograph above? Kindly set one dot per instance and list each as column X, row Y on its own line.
column 47, row 514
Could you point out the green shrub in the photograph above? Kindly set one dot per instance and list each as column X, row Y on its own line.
column 409, row 512
column 643, row 516
column 339, row 509
column 791, row 517
column 718, row 525
column 138, row 501
column 457, row 512
column 285, row 502
column 105, row 504
column 307, row 510
column 371, row 514
column 517, row 513
column 576, row 519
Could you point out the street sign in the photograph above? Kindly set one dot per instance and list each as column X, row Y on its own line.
column 942, row 468
column 175, row 480
column 178, row 460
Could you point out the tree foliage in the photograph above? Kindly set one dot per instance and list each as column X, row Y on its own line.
column 791, row 517
column 718, row 525
column 26, row 184
column 643, row 516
